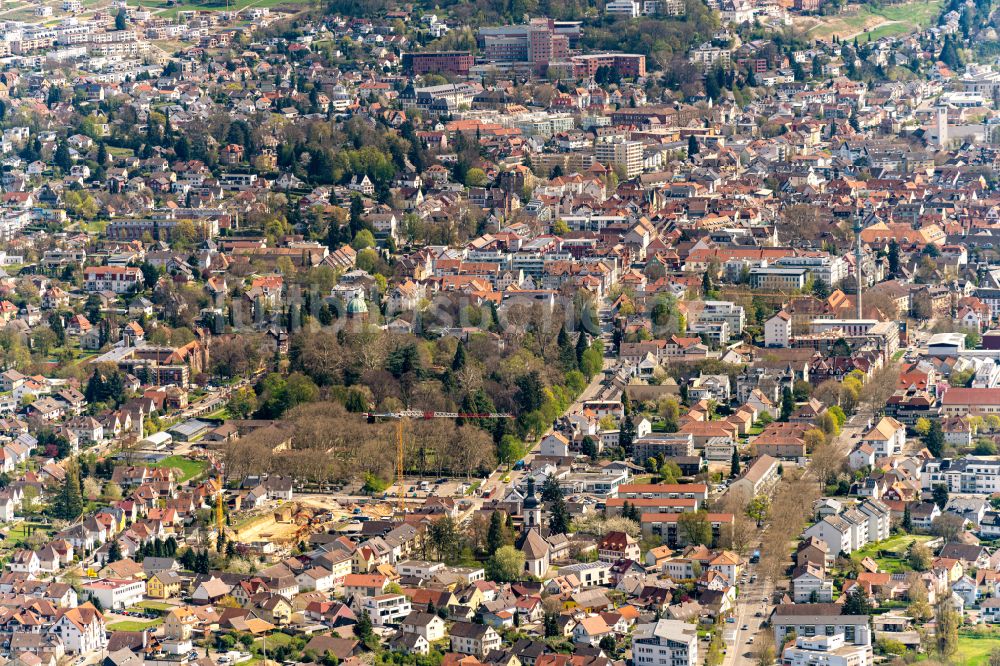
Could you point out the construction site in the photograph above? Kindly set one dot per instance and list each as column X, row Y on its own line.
column 291, row 522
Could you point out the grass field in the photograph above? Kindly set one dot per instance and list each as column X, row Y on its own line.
column 163, row 10
column 155, row 605
column 274, row 640
column 973, row 651
column 22, row 530
column 134, row 625
column 188, row 468
column 871, row 23
column 891, row 553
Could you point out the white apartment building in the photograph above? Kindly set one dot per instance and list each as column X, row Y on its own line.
column 822, row 266
column 386, row 609
column 823, row 620
column 778, row 330
column 81, row 629
column 853, row 528
column 810, row 583
column 629, row 8
column 723, row 311
column 971, row 474
column 665, row 643
column 119, row 279
column 590, row 574
column 626, row 155
column 826, row 651
column 419, row 568
column 114, row 593
column 887, row 437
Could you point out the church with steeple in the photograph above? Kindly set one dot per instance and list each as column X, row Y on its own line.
column 537, row 552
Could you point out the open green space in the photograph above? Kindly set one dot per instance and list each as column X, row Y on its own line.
column 134, row 625
column 188, row 469
column 155, row 605
column 975, row 651
column 170, row 10
column 23, row 530
column 878, row 22
column 275, row 640
column 891, row 553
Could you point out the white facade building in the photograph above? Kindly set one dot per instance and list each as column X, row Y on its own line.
column 665, row 643
column 114, row 593
column 386, row 608
column 826, row 651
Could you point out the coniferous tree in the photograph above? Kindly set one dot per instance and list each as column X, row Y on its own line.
column 495, row 534
column 560, row 521
column 734, row 465
column 62, row 158
column 693, row 148
column 567, row 353
column 787, row 404
column 581, row 346
column 458, row 362
column 626, row 432
column 893, row 257
column 69, row 502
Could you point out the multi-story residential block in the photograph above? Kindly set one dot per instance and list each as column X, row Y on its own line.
column 624, row 155
column 626, row 65
column 887, row 437
column 450, row 62
column 831, row 269
column 666, row 444
column 758, row 478
column 475, row 639
column 853, row 528
column 118, row 279
column 971, row 474
column 632, row 491
column 115, row 594
column 590, row 574
column 81, row 629
column 778, row 279
column 820, row 619
column 720, row 311
column 826, row 651
column 386, row 609
column 810, row 584
column 665, row 643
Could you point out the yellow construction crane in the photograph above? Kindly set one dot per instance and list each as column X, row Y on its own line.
column 400, row 417
column 219, row 498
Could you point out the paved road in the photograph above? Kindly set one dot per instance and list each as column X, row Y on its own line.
column 755, row 597
column 758, row 597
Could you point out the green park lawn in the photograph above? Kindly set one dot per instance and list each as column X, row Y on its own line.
column 883, row 21
column 188, row 468
column 973, row 651
column 134, row 625
column 22, row 530
column 891, row 553
column 162, row 9
column 274, row 640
